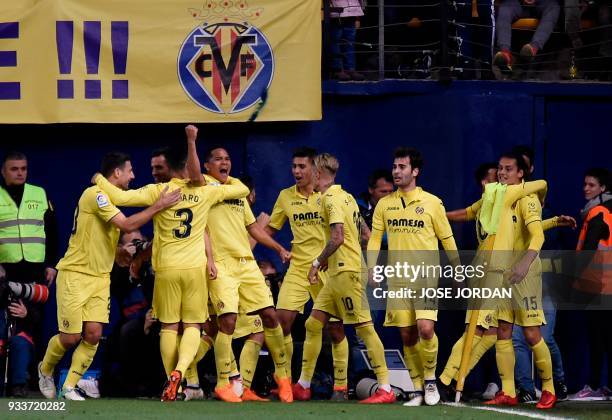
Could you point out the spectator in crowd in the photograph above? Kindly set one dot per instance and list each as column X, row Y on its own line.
column 594, row 282
column 344, row 22
column 28, row 253
column 574, row 10
column 380, row 184
column 512, row 10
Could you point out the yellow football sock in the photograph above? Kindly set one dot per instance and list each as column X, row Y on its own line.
column 233, row 366
column 412, row 357
column 429, row 357
column 486, row 342
column 505, row 365
column 289, row 353
column 340, row 354
column 168, row 348
column 312, row 348
column 223, row 358
column 376, row 352
column 249, row 357
column 453, row 362
column 543, row 362
column 191, row 375
column 81, row 360
column 55, row 352
column 276, row 344
column 190, row 342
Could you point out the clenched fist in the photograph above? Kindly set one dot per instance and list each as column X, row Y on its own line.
column 192, row 132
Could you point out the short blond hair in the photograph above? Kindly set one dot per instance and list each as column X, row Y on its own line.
column 327, row 162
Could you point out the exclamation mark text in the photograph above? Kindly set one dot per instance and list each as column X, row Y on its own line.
column 92, row 32
column 64, row 37
column 119, row 41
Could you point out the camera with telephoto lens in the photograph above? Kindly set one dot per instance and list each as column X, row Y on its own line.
column 140, row 245
column 12, row 292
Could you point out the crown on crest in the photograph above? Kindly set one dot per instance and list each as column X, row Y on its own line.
column 226, row 10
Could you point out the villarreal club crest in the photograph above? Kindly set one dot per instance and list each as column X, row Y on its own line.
column 226, row 64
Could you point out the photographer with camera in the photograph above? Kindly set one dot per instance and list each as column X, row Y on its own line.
column 28, row 253
column 133, row 342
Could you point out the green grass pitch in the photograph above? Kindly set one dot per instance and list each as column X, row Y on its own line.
column 151, row 409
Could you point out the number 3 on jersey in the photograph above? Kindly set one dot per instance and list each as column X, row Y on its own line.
column 184, row 230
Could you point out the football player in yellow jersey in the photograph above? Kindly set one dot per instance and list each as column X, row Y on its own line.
column 342, row 296
column 300, row 205
column 179, row 258
column 160, row 171
column 526, row 276
column 413, row 220
column 83, row 281
column 486, row 329
column 239, row 286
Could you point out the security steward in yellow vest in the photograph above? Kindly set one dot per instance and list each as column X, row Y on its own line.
column 28, row 253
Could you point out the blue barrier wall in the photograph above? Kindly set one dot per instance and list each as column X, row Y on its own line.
column 457, row 127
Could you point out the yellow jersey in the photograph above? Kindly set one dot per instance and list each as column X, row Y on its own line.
column 178, row 241
column 93, row 240
column 227, row 223
column 304, row 215
column 340, row 207
column 414, row 221
column 526, row 211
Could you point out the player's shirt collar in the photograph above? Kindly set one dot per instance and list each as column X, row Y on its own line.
column 297, row 193
column 410, row 196
column 179, row 181
column 334, row 188
column 211, row 180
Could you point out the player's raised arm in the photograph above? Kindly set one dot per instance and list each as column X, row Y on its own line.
column 460, row 215
column 559, row 221
column 232, row 190
column 516, row 192
column 129, row 224
column 193, row 161
column 464, row 215
column 141, row 197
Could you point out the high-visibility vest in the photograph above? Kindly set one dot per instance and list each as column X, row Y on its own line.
column 597, row 277
column 22, row 230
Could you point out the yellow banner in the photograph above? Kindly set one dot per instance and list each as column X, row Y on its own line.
column 121, row 61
